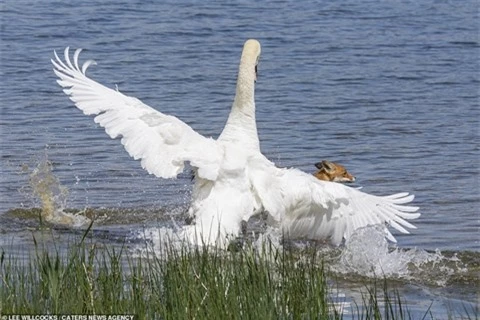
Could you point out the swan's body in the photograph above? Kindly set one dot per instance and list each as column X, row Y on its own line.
column 233, row 179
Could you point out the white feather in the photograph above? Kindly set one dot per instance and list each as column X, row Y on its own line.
column 309, row 208
column 161, row 141
column 233, row 179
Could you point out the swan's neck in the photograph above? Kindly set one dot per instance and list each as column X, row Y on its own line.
column 245, row 94
column 241, row 125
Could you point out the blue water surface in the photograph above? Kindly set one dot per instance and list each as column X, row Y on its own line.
column 390, row 89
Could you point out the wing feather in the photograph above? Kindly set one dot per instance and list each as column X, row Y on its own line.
column 309, row 208
column 162, row 142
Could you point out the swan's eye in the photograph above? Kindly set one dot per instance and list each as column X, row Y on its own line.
column 256, row 69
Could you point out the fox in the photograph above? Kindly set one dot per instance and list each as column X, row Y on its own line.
column 330, row 171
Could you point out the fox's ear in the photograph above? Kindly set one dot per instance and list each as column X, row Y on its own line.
column 319, row 165
column 329, row 166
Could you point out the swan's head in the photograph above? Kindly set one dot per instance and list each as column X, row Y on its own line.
column 251, row 55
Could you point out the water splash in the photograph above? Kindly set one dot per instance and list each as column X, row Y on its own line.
column 158, row 240
column 367, row 253
column 267, row 242
column 53, row 196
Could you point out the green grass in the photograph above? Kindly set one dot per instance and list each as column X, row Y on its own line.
column 200, row 283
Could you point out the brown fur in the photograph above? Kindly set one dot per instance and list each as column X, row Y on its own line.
column 330, row 171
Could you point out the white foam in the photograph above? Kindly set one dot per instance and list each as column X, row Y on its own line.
column 61, row 218
column 160, row 241
column 367, row 253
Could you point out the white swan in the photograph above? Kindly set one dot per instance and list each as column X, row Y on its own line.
column 234, row 180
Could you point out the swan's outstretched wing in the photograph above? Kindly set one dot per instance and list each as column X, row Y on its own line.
column 306, row 207
column 162, row 142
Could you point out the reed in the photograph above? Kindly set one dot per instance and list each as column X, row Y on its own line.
column 186, row 283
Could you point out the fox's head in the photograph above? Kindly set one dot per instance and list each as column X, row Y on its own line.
column 329, row 171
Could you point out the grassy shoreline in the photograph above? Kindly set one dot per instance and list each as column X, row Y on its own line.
column 185, row 283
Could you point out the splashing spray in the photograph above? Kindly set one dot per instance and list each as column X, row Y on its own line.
column 53, row 196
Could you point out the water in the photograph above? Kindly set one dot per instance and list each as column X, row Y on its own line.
column 390, row 89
